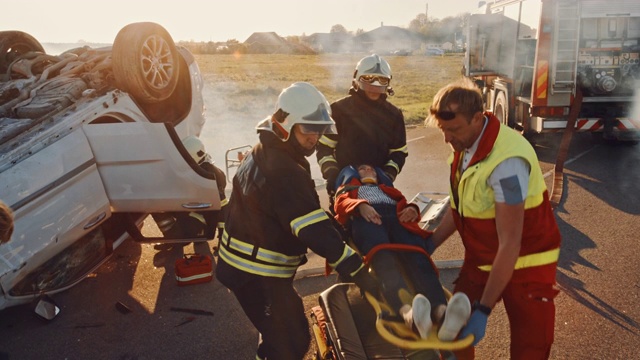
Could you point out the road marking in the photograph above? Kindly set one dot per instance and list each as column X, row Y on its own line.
column 550, row 172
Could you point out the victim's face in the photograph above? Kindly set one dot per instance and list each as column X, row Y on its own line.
column 367, row 172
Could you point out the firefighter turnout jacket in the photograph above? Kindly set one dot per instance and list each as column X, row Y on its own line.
column 274, row 216
column 369, row 132
column 473, row 205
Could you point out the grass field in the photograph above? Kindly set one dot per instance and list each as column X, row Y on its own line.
column 248, row 85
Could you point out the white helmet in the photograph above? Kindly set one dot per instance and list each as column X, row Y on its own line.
column 372, row 74
column 300, row 104
column 195, row 147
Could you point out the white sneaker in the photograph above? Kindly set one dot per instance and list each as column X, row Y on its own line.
column 421, row 314
column 455, row 317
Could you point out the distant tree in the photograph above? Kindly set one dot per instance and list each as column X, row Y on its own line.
column 338, row 29
column 359, row 32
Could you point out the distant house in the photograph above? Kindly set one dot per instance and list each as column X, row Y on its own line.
column 329, row 42
column 447, row 46
column 272, row 43
column 266, row 43
column 388, row 39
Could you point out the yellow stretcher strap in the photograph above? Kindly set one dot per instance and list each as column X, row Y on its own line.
column 531, row 260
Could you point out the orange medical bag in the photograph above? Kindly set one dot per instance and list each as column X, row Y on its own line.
column 194, row 269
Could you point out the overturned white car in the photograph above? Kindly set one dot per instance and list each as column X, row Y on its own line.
column 89, row 141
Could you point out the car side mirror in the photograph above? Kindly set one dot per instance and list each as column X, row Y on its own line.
column 46, row 308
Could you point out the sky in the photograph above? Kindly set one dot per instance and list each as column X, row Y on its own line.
column 70, row 21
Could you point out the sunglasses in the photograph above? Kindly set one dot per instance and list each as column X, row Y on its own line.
column 384, row 81
column 444, row 114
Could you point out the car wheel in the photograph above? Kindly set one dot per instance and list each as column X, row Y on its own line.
column 14, row 44
column 501, row 109
column 145, row 62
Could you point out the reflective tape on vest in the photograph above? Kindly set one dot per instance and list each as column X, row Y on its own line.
column 313, row 217
column 393, row 165
column 264, row 255
column 403, row 149
column 327, row 159
column 256, row 268
column 348, row 251
column 532, row 260
column 324, row 140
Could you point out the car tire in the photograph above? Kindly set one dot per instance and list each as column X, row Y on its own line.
column 501, row 109
column 145, row 62
column 14, row 44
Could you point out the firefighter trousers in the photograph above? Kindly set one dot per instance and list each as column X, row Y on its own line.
column 276, row 310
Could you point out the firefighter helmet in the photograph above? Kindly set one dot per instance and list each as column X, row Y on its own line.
column 372, row 74
column 300, row 104
column 195, row 147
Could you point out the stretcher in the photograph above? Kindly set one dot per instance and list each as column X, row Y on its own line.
column 347, row 325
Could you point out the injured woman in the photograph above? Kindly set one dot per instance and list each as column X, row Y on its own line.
column 379, row 218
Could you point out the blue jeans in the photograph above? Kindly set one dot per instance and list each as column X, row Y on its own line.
column 396, row 270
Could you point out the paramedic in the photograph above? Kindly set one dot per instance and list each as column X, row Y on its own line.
column 379, row 214
column 500, row 207
column 274, row 216
column 6, row 223
column 370, row 129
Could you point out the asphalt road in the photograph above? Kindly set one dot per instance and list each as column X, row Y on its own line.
column 598, row 309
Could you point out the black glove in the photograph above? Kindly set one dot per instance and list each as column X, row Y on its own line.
column 366, row 282
column 331, row 175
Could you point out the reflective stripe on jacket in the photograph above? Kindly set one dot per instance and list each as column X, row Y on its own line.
column 473, row 208
column 256, row 260
column 274, row 216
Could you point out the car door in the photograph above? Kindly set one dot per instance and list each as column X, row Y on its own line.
column 59, row 207
column 145, row 168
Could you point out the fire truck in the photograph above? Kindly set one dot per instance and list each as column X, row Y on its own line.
column 532, row 57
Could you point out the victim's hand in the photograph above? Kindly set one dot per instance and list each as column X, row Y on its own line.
column 408, row 214
column 369, row 213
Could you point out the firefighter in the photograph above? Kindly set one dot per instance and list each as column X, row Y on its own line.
column 274, row 216
column 370, row 129
column 500, row 207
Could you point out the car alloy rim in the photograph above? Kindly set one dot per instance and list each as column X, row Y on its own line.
column 157, row 62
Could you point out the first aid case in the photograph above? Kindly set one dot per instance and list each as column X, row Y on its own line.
column 194, row 269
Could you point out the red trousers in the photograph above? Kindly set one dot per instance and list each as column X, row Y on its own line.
column 531, row 311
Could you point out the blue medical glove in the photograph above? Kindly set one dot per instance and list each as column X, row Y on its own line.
column 476, row 325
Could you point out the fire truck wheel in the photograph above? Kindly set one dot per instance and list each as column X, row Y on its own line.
column 501, row 108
